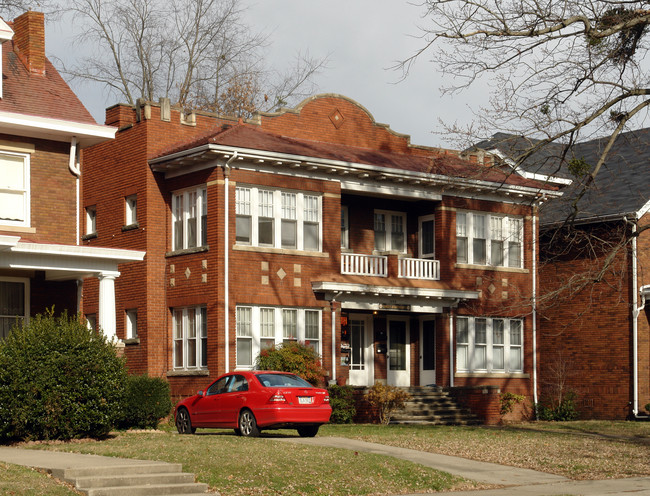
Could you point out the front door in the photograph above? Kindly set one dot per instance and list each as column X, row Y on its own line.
column 361, row 352
column 427, row 352
column 399, row 362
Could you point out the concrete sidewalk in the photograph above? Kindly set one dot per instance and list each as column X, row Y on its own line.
column 520, row 481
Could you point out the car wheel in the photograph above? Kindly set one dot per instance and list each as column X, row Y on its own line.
column 308, row 430
column 248, row 424
column 183, row 422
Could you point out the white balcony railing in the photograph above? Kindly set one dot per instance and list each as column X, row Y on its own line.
column 364, row 265
column 419, row 268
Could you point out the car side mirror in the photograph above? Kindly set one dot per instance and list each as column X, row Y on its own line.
column 200, row 393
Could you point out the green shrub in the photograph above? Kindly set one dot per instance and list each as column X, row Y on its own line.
column 386, row 399
column 58, row 380
column 295, row 357
column 509, row 400
column 147, row 400
column 562, row 411
column 342, row 403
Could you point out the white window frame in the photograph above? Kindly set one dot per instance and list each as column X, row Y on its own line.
column 472, row 238
column 26, row 303
column 185, row 203
column 345, row 228
column 25, row 191
column 389, row 219
column 270, row 205
column 189, row 329
column 131, row 323
column 257, row 329
column 91, row 219
column 421, row 252
column 475, row 351
column 131, row 210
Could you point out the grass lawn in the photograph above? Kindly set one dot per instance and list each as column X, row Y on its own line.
column 235, row 465
column 23, row 481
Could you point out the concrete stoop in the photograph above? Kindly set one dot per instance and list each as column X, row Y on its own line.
column 132, row 479
column 433, row 406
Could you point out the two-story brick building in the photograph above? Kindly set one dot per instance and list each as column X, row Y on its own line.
column 288, row 225
column 43, row 127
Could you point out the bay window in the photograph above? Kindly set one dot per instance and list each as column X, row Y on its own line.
column 277, row 219
column 260, row 328
column 190, row 338
column 190, row 218
column 489, row 239
column 489, row 345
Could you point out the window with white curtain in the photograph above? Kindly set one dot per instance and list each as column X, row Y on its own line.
column 190, row 338
column 491, row 345
column 14, row 188
column 390, row 231
column 190, row 218
column 489, row 239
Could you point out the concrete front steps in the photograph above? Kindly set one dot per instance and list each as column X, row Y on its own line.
column 431, row 405
column 134, row 479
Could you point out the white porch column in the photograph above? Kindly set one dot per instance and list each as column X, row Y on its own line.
column 106, row 317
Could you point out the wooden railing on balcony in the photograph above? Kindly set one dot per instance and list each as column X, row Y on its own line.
column 364, row 265
column 419, row 268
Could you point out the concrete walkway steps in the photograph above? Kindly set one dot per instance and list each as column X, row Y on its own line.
column 107, row 476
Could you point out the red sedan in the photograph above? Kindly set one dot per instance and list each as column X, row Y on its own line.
column 250, row 401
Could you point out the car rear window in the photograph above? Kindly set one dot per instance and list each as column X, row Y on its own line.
column 282, row 380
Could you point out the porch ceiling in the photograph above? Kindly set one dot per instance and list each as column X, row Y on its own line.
column 391, row 298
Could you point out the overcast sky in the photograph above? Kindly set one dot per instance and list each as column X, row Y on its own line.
column 363, row 38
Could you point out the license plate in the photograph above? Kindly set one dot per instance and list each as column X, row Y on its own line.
column 305, row 400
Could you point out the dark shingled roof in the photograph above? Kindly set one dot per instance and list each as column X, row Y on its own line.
column 254, row 138
column 621, row 187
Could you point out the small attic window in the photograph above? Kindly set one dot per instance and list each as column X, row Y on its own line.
column 6, row 33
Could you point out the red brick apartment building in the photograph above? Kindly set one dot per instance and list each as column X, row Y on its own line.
column 43, row 127
column 594, row 332
column 290, row 224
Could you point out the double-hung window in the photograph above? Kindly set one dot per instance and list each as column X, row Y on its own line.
column 14, row 302
column 390, row 231
column 489, row 239
column 131, row 318
column 260, row 328
column 426, row 237
column 277, row 219
column 131, row 210
column 190, row 338
column 91, row 220
column 489, row 345
column 14, row 189
column 190, row 218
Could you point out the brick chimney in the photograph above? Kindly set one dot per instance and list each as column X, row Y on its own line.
column 29, row 40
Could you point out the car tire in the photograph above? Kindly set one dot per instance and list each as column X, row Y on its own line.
column 183, row 422
column 308, row 430
column 248, row 424
column 238, row 432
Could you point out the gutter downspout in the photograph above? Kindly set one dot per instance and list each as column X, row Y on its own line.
column 451, row 342
column 226, row 260
column 76, row 171
column 636, row 311
column 534, row 304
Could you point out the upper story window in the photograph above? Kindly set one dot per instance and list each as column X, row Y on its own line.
column 91, row 219
column 190, row 338
column 489, row 239
column 426, row 237
column 390, row 231
column 489, row 345
column 190, row 218
column 14, row 189
column 345, row 228
column 14, row 302
column 131, row 210
column 277, row 219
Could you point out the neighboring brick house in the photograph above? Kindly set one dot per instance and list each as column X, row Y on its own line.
column 291, row 224
column 594, row 281
column 43, row 126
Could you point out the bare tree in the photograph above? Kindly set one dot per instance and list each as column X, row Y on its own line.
column 198, row 53
column 10, row 8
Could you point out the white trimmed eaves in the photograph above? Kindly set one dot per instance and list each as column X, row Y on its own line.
column 348, row 173
column 560, row 181
column 55, row 129
column 334, row 288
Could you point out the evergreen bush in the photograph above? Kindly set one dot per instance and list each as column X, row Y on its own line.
column 147, row 400
column 562, row 411
column 58, row 380
column 295, row 357
column 342, row 403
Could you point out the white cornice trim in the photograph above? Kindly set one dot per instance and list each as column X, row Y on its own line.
column 399, row 291
column 88, row 252
column 55, row 129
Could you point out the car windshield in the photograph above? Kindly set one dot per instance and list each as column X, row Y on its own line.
column 282, row 380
